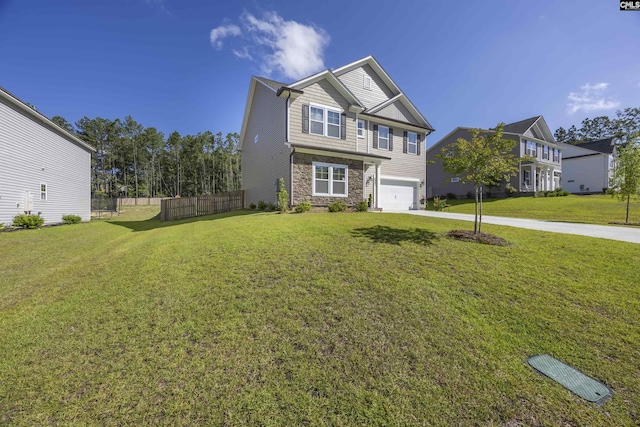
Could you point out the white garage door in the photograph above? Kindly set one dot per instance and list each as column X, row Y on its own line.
column 397, row 195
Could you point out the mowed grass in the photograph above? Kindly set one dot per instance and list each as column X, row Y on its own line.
column 314, row 319
column 593, row 209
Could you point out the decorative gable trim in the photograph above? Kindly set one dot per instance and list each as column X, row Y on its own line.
column 329, row 76
column 376, row 67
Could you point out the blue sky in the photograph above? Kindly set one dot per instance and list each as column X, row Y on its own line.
column 185, row 65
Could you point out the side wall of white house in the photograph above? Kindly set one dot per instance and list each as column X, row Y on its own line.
column 592, row 172
column 33, row 153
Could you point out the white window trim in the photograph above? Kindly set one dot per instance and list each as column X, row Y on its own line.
column 45, row 192
column 331, row 166
column 526, row 177
column 366, row 82
column 358, row 128
column 387, row 138
column 325, row 117
column 547, row 154
column 533, row 152
column 412, row 144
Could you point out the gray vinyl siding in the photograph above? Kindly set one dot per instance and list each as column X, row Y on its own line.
column 379, row 92
column 439, row 182
column 322, row 93
column 401, row 164
column 397, row 111
column 264, row 162
column 32, row 153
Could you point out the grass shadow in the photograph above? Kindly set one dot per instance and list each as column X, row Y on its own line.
column 153, row 223
column 395, row 236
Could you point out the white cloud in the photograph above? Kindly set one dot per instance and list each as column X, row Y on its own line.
column 221, row 32
column 591, row 97
column 242, row 53
column 289, row 48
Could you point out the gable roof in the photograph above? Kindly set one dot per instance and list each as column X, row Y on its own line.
column 399, row 95
column 271, row 83
column 521, row 126
column 335, row 81
column 604, row 146
column 538, row 122
column 17, row 102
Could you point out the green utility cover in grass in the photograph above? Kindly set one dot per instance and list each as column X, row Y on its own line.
column 582, row 385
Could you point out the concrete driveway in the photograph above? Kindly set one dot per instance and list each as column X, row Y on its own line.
column 624, row 234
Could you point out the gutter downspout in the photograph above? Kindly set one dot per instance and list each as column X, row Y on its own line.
column 286, row 136
column 293, row 150
column 357, row 132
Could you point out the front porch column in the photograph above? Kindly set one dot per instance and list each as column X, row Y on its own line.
column 377, row 189
column 553, row 179
column 533, row 177
column 544, row 179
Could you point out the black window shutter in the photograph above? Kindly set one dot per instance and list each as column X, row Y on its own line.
column 375, row 136
column 343, row 126
column 305, row 118
column 390, row 139
column 418, row 148
column 404, row 142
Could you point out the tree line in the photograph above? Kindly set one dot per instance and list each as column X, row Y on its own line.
column 623, row 126
column 134, row 161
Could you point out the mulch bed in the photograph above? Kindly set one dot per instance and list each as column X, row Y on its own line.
column 628, row 224
column 484, row 238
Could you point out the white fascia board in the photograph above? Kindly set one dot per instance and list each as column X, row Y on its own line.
column 247, row 109
column 375, row 119
column 328, row 75
column 376, row 67
column 45, row 120
column 385, row 103
column 545, row 129
column 399, row 178
column 407, row 103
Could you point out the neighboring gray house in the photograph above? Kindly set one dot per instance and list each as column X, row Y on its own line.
column 587, row 166
column 533, row 139
column 43, row 168
column 339, row 134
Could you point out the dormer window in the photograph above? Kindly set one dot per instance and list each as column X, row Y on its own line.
column 366, row 82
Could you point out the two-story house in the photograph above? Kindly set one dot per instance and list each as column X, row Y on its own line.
column 533, row 138
column 348, row 133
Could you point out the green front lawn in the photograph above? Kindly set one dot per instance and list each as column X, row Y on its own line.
column 594, row 209
column 314, row 319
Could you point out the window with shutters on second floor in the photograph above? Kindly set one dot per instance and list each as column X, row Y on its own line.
column 383, row 137
column 323, row 121
column 412, row 142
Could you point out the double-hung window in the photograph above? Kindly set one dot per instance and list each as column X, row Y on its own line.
column 324, row 121
column 527, row 177
column 556, row 155
column 530, row 149
column 329, row 180
column 412, row 142
column 360, row 128
column 43, row 191
column 383, row 137
column 545, row 152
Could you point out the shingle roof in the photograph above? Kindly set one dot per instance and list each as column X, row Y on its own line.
column 601, row 146
column 521, row 126
column 272, row 83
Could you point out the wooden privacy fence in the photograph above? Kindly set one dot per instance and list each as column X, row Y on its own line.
column 130, row 201
column 189, row 207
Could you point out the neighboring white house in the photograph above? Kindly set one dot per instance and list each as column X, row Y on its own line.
column 587, row 166
column 44, row 169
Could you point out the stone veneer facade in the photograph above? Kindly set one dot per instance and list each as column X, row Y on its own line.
column 303, row 179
